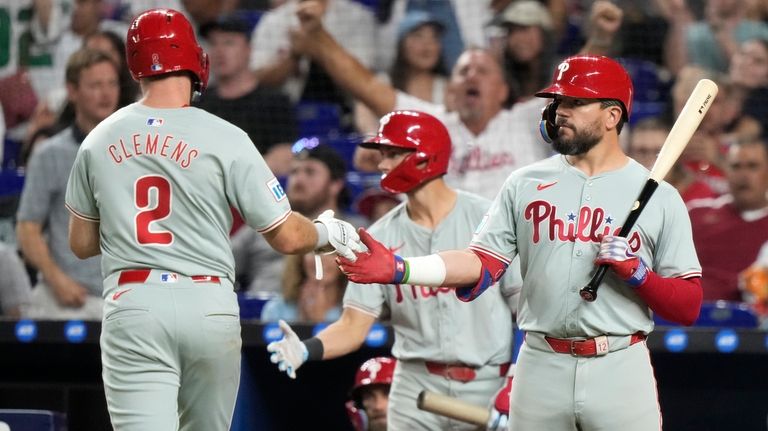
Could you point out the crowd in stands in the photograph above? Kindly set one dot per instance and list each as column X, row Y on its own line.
column 306, row 80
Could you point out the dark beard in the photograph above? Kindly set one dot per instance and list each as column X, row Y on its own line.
column 580, row 144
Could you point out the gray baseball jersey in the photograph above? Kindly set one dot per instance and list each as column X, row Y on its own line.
column 431, row 324
column 550, row 214
column 481, row 163
column 161, row 182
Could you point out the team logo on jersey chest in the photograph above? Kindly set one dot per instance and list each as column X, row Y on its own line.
column 585, row 225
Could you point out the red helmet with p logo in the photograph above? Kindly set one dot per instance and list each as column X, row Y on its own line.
column 592, row 77
column 163, row 41
column 417, row 131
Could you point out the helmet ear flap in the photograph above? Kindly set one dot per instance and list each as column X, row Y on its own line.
column 547, row 126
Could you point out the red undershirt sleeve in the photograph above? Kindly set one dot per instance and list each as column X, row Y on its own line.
column 675, row 299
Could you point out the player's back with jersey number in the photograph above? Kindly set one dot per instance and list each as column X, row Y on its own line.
column 172, row 175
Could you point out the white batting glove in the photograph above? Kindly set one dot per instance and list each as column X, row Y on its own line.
column 497, row 421
column 289, row 353
column 342, row 236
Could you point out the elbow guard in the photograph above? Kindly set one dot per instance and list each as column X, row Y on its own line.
column 491, row 271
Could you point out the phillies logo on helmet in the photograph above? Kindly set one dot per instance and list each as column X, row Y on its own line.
column 562, row 67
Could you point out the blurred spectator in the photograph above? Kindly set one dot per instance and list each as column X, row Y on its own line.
column 374, row 203
column 463, row 22
column 304, row 298
column 112, row 44
column 265, row 114
column 646, row 139
column 749, row 65
column 418, row 68
column 367, row 410
column 277, row 63
column 135, row 7
column 69, row 287
column 729, row 231
column 14, row 23
column 528, row 50
column 202, row 12
column 711, row 42
column 316, row 183
column 53, row 35
column 15, row 289
column 19, row 103
column 483, row 153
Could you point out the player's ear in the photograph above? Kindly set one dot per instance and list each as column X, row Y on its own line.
column 612, row 117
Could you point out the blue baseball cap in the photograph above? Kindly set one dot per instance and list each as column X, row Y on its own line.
column 415, row 19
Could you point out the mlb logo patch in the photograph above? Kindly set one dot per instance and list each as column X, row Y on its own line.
column 156, row 122
column 276, row 189
column 169, row 277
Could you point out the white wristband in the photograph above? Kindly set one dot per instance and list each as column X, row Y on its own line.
column 426, row 270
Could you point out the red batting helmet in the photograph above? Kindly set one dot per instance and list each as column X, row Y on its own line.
column 592, row 77
column 417, row 131
column 162, row 41
column 375, row 371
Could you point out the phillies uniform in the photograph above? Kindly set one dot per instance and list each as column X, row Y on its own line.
column 480, row 163
column 160, row 182
column 552, row 216
column 432, row 327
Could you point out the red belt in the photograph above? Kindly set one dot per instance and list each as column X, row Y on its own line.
column 459, row 372
column 141, row 275
column 589, row 347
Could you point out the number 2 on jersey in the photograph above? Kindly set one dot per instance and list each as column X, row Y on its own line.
column 144, row 189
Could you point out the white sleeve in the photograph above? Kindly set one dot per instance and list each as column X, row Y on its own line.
column 270, row 37
column 406, row 101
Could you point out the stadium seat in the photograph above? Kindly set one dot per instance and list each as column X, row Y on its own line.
column 721, row 313
column 318, row 119
column 651, row 88
column 252, row 303
column 33, row 420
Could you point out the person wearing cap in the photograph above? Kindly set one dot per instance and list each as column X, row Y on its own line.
column 441, row 343
column 265, row 114
column 367, row 408
column 418, row 68
column 489, row 141
column 374, row 203
column 584, row 363
column 528, row 49
column 315, row 183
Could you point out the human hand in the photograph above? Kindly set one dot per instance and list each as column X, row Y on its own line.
column 500, row 409
column 377, row 265
column 289, row 353
column 68, row 292
column 342, row 237
column 605, row 19
column 615, row 252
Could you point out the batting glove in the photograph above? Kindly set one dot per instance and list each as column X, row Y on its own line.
column 377, row 265
column 615, row 252
column 500, row 410
column 342, row 237
column 289, row 353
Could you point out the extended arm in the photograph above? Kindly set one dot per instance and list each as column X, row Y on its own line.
column 341, row 66
column 341, row 337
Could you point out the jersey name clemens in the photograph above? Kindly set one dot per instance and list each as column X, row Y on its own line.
column 151, row 144
column 589, row 225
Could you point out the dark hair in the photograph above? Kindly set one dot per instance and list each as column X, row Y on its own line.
column 398, row 73
column 336, row 166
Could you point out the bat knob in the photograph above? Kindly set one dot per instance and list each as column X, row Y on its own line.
column 588, row 295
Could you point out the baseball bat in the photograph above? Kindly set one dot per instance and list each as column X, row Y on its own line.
column 686, row 124
column 453, row 408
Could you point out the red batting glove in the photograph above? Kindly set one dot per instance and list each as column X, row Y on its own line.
column 500, row 411
column 615, row 252
column 377, row 265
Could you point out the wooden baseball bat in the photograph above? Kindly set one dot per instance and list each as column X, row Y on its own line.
column 453, row 408
column 686, row 124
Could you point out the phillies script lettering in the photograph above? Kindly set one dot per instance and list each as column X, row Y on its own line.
column 589, row 225
column 419, row 291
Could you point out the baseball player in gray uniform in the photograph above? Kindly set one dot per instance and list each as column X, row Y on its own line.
column 437, row 337
column 151, row 190
column 584, row 365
